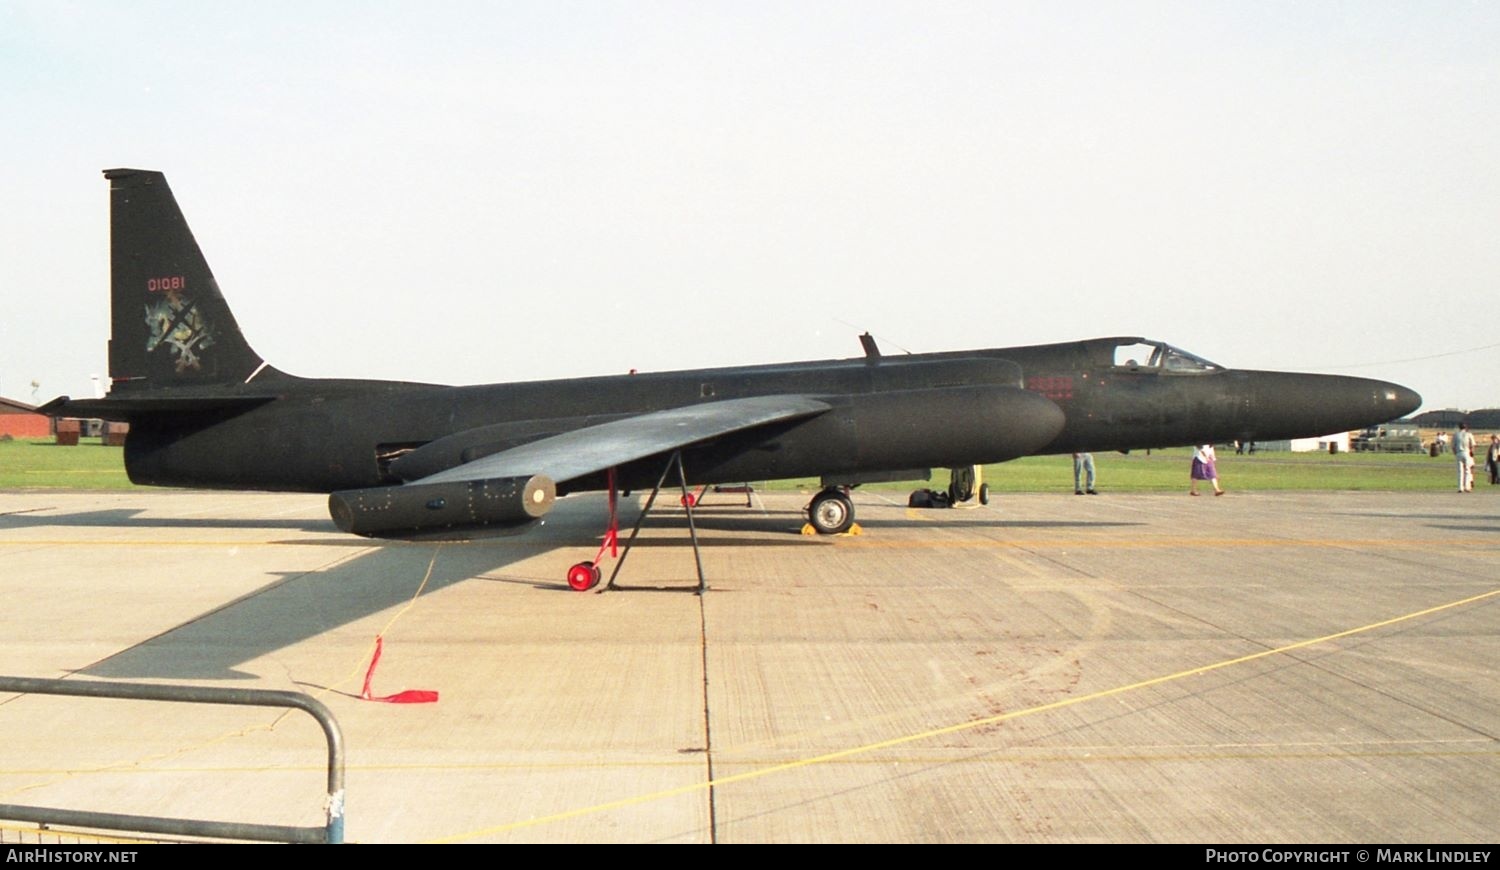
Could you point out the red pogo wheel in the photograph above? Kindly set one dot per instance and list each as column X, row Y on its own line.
column 583, row 576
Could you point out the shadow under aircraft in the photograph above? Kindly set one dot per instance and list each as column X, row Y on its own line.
column 236, row 638
column 412, row 460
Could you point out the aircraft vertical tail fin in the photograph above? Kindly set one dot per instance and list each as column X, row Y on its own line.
column 170, row 325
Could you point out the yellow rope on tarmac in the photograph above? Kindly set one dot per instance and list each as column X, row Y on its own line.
column 954, row 729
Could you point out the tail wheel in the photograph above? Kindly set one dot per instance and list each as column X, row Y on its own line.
column 831, row 512
column 583, row 576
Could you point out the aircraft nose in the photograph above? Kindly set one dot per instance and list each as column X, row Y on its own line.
column 1291, row 405
column 1366, row 402
column 1400, row 400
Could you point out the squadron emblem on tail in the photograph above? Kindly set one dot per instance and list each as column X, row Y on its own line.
column 177, row 322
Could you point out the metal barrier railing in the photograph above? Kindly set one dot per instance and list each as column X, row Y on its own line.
column 331, row 832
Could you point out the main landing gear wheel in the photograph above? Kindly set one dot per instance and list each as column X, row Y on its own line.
column 961, row 484
column 984, row 493
column 584, row 576
column 831, row 512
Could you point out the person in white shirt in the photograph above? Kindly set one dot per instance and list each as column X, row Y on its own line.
column 1204, row 469
column 1463, row 451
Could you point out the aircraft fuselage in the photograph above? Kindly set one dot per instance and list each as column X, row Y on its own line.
column 911, row 411
column 404, row 458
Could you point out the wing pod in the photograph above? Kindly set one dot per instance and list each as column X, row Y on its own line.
column 435, row 509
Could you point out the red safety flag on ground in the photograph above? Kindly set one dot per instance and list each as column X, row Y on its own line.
column 410, row 696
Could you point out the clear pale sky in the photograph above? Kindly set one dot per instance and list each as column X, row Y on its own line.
column 494, row 191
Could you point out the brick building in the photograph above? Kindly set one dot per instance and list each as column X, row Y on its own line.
column 20, row 420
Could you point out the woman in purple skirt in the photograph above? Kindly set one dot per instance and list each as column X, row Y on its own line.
column 1203, row 469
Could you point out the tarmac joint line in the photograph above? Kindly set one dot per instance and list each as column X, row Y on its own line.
column 970, row 725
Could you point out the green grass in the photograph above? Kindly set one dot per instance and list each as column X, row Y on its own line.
column 1167, row 471
column 38, row 463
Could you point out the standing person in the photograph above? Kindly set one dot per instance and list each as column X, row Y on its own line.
column 1463, row 451
column 1492, row 459
column 1203, row 469
column 1083, row 473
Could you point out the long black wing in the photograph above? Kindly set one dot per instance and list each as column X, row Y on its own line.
column 585, row 451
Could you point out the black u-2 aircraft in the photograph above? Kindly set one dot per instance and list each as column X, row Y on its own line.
column 412, row 460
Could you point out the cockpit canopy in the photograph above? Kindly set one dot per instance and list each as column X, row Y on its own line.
column 1142, row 353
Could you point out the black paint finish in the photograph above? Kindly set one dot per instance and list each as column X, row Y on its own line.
column 205, row 410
